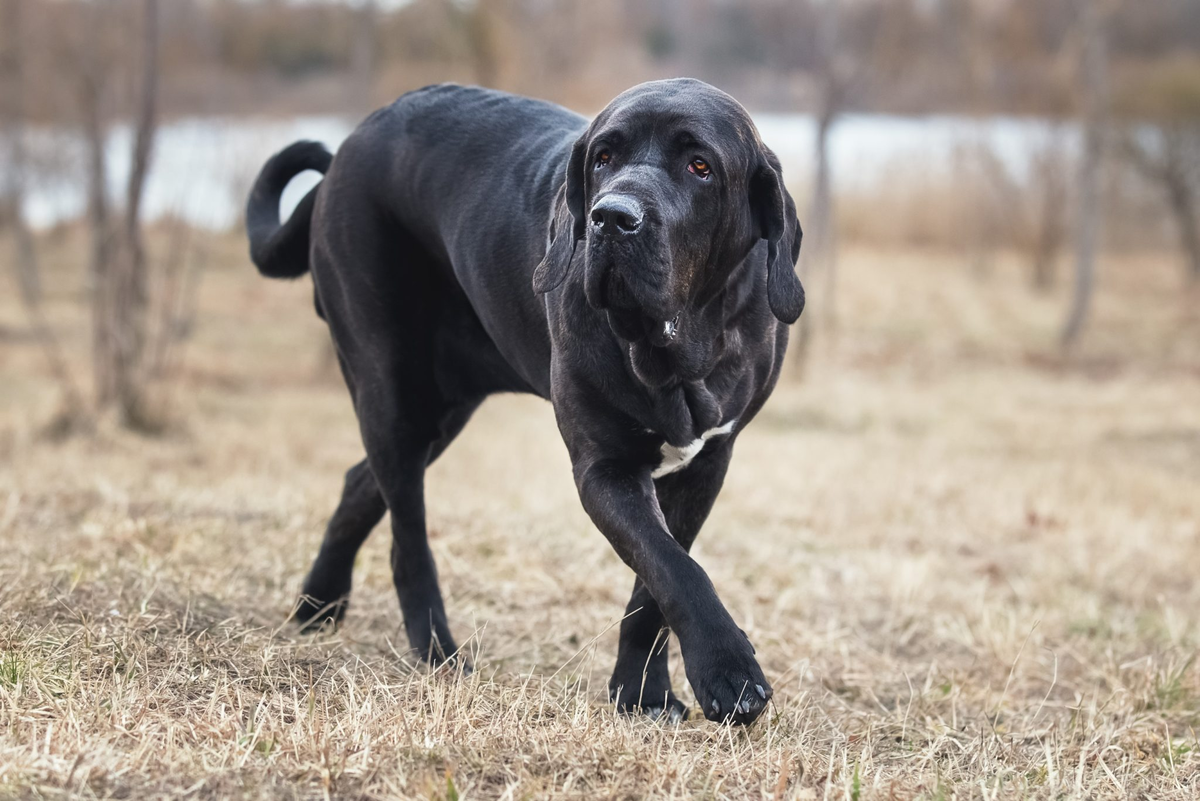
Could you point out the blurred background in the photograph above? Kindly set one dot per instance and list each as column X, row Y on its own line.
column 958, row 533
column 1046, row 137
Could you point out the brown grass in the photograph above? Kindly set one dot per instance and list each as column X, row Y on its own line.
column 969, row 568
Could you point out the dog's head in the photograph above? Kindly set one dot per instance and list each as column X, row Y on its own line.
column 668, row 190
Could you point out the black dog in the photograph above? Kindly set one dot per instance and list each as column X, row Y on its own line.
column 637, row 272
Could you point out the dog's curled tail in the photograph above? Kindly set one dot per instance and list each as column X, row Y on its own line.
column 280, row 250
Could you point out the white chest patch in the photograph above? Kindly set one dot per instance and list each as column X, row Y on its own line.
column 678, row 458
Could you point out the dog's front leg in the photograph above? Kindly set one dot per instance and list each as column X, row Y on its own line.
column 641, row 680
column 719, row 660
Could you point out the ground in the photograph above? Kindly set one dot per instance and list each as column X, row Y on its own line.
column 967, row 563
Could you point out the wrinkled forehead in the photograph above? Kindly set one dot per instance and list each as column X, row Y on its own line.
column 670, row 109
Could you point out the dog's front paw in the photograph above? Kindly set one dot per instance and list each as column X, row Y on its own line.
column 728, row 683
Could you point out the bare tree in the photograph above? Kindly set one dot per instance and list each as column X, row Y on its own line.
column 93, row 63
column 1173, row 165
column 1159, row 106
column 129, row 279
column 12, row 113
column 12, row 116
column 1024, row 36
column 1050, row 185
column 118, row 257
column 835, row 73
column 1093, row 79
column 844, row 70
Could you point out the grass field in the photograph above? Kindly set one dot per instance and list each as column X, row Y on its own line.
column 969, row 567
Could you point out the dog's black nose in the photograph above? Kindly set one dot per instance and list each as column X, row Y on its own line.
column 617, row 214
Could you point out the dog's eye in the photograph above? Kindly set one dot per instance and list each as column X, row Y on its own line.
column 701, row 168
column 602, row 159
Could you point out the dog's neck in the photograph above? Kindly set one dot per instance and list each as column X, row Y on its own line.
column 677, row 377
column 690, row 357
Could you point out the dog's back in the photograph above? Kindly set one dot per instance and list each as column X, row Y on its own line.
column 459, row 179
column 466, row 177
column 449, row 160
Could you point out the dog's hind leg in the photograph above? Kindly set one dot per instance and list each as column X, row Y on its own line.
column 327, row 588
column 401, row 453
column 388, row 304
column 641, row 681
column 405, row 423
column 414, row 572
column 326, row 592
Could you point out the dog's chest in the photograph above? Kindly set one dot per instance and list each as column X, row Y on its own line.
column 710, row 406
column 676, row 458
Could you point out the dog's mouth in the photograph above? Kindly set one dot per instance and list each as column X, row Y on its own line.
column 632, row 321
column 633, row 313
column 634, row 326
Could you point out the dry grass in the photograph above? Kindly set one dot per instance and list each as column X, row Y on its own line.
column 969, row 569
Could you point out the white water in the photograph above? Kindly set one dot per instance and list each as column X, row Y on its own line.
column 203, row 166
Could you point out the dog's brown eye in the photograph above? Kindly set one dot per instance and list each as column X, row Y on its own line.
column 700, row 167
column 602, row 158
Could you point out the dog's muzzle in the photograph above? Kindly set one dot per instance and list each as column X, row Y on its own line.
column 622, row 253
column 617, row 216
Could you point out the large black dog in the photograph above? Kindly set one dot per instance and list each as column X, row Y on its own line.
column 637, row 271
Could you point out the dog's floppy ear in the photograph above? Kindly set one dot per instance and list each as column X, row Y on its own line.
column 566, row 224
column 775, row 215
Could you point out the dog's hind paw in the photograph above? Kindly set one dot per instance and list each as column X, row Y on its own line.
column 313, row 615
column 672, row 714
column 660, row 707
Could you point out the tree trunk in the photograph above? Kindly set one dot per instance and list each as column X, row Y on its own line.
column 825, row 212
column 1170, row 170
column 118, row 271
column 1094, row 81
column 820, row 251
column 12, row 180
column 130, row 298
column 92, row 103
column 1183, row 206
column 12, row 114
column 1050, row 225
column 818, row 254
column 1181, row 198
